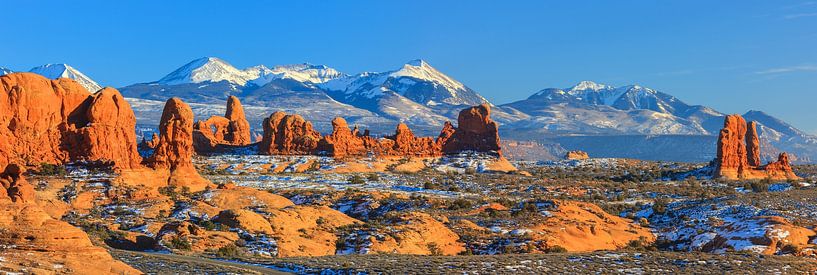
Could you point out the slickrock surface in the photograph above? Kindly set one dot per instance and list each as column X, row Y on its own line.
column 583, row 227
column 33, row 242
column 738, row 155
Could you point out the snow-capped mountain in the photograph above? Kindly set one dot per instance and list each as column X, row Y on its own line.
column 589, row 116
column 415, row 80
column 54, row 71
column 212, row 69
column 4, row 71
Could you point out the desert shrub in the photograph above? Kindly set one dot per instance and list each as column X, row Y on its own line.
column 556, row 249
column 460, row 204
column 760, row 186
column 660, row 205
column 434, row 249
column 356, row 179
column 230, row 251
column 373, row 177
column 180, row 243
column 47, row 169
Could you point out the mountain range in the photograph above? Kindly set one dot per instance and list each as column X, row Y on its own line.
column 628, row 121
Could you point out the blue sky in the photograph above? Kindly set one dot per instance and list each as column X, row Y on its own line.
column 730, row 55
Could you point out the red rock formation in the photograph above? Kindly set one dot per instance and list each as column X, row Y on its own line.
column 288, row 135
column 103, row 129
column 291, row 134
column 475, row 132
column 406, row 144
column 238, row 129
column 342, row 142
column 232, row 129
column 573, row 155
column 14, row 187
column 752, row 145
column 175, row 147
column 738, row 155
column 57, row 121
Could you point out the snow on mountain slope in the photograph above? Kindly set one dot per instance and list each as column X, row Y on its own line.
column 415, row 80
column 5, row 71
column 212, row 69
column 209, row 69
column 54, row 71
column 630, row 97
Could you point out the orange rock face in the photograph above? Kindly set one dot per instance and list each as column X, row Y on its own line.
column 738, row 155
column 288, row 135
column 292, row 135
column 475, row 132
column 581, row 227
column 174, row 150
column 571, row 155
column 57, row 121
column 231, row 129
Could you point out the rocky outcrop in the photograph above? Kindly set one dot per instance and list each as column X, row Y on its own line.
column 232, row 129
column 292, row 135
column 174, row 150
column 33, row 242
column 417, row 233
column 475, row 132
column 581, row 227
column 752, row 145
column 57, row 121
column 576, row 155
column 342, row 141
column 243, row 219
column 288, row 135
column 307, row 230
column 738, row 155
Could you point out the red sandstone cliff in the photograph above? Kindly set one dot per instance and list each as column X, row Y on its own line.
column 475, row 132
column 57, row 121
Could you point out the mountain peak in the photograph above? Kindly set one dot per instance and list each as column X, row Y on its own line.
column 417, row 63
column 61, row 70
column 589, row 85
column 211, row 69
column 5, row 71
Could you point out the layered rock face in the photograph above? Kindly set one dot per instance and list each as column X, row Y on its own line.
column 57, row 121
column 174, row 150
column 738, row 155
column 33, row 242
column 288, row 135
column 475, row 132
column 231, row 129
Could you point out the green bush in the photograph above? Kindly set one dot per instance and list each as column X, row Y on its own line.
column 179, row 243
column 229, row 251
column 47, row 169
column 356, row 179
